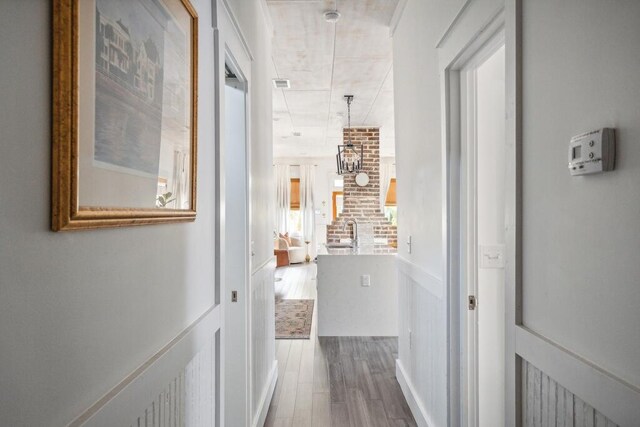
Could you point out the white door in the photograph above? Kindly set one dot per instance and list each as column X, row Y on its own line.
column 233, row 163
column 490, row 150
column 236, row 254
column 484, row 171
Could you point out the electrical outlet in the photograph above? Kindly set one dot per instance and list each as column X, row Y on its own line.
column 365, row 280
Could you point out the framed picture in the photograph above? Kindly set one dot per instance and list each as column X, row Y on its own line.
column 124, row 113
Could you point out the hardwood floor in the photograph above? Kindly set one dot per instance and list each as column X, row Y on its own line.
column 333, row 381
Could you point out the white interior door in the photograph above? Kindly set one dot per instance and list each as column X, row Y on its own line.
column 233, row 163
column 490, row 143
column 484, row 171
column 236, row 254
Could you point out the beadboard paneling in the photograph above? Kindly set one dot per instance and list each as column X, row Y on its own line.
column 547, row 403
column 263, row 354
column 611, row 395
column 175, row 387
column 422, row 355
column 189, row 399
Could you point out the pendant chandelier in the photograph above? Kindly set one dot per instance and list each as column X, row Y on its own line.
column 349, row 157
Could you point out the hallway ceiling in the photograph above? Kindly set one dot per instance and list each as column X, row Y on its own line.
column 325, row 61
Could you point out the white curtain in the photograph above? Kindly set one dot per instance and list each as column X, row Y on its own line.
column 386, row 173
column 283, row 193
column 307, row 206
column 180, row 187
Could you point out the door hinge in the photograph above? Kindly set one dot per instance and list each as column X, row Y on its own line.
column 473, row 302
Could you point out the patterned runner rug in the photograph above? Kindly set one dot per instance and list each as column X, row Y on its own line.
column 293, row 318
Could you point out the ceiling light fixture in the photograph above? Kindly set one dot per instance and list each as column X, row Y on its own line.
column 349, row 158
column 332, row 16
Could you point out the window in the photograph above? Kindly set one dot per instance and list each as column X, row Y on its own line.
column 295, row 194
column 295, row 222
column 390, row 206
column 295, row 216
column 338, row 203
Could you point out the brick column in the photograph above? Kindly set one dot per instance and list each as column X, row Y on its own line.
column 363, row 203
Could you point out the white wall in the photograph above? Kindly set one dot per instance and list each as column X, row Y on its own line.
column 80, row 311
column 422, row 302
column 581, row 234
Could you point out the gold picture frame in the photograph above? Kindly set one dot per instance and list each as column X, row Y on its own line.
column 124, row 113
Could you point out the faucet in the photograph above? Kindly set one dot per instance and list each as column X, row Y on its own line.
column 356, row 239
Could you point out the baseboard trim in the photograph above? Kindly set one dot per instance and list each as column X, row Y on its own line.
column 417, row 409
column 267, row 395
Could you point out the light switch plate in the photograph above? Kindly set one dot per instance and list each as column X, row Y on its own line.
column 365, row 280
column 492, row 256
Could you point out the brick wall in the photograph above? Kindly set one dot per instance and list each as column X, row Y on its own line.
column 363, row 203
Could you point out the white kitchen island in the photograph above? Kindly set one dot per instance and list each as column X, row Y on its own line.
column 346, row 306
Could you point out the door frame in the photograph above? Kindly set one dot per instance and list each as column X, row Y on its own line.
column 230, row 47
column 466, row 35
column 467, row 193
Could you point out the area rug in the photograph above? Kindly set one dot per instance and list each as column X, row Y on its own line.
column 293, row 318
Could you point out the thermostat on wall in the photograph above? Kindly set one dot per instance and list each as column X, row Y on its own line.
column 592, row 152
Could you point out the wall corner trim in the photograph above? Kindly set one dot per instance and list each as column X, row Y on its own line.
column 397, row 16
column 267, row 16
column 236, row 28
column 415, row 404
column 453, row 23
column 266, row 396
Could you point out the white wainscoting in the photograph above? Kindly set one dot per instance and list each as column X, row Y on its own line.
column 422, row 345
column 547, row 403
column 264, row 367
column 597, row 392
column 175, row 387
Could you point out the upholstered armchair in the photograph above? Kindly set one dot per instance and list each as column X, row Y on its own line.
column 296, row 249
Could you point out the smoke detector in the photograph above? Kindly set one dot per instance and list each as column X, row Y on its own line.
column 281, row 83
column 332, row 16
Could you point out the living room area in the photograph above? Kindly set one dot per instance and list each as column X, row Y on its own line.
column 311, row 196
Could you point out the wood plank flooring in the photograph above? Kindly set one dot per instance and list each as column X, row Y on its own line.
column 333, row 381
